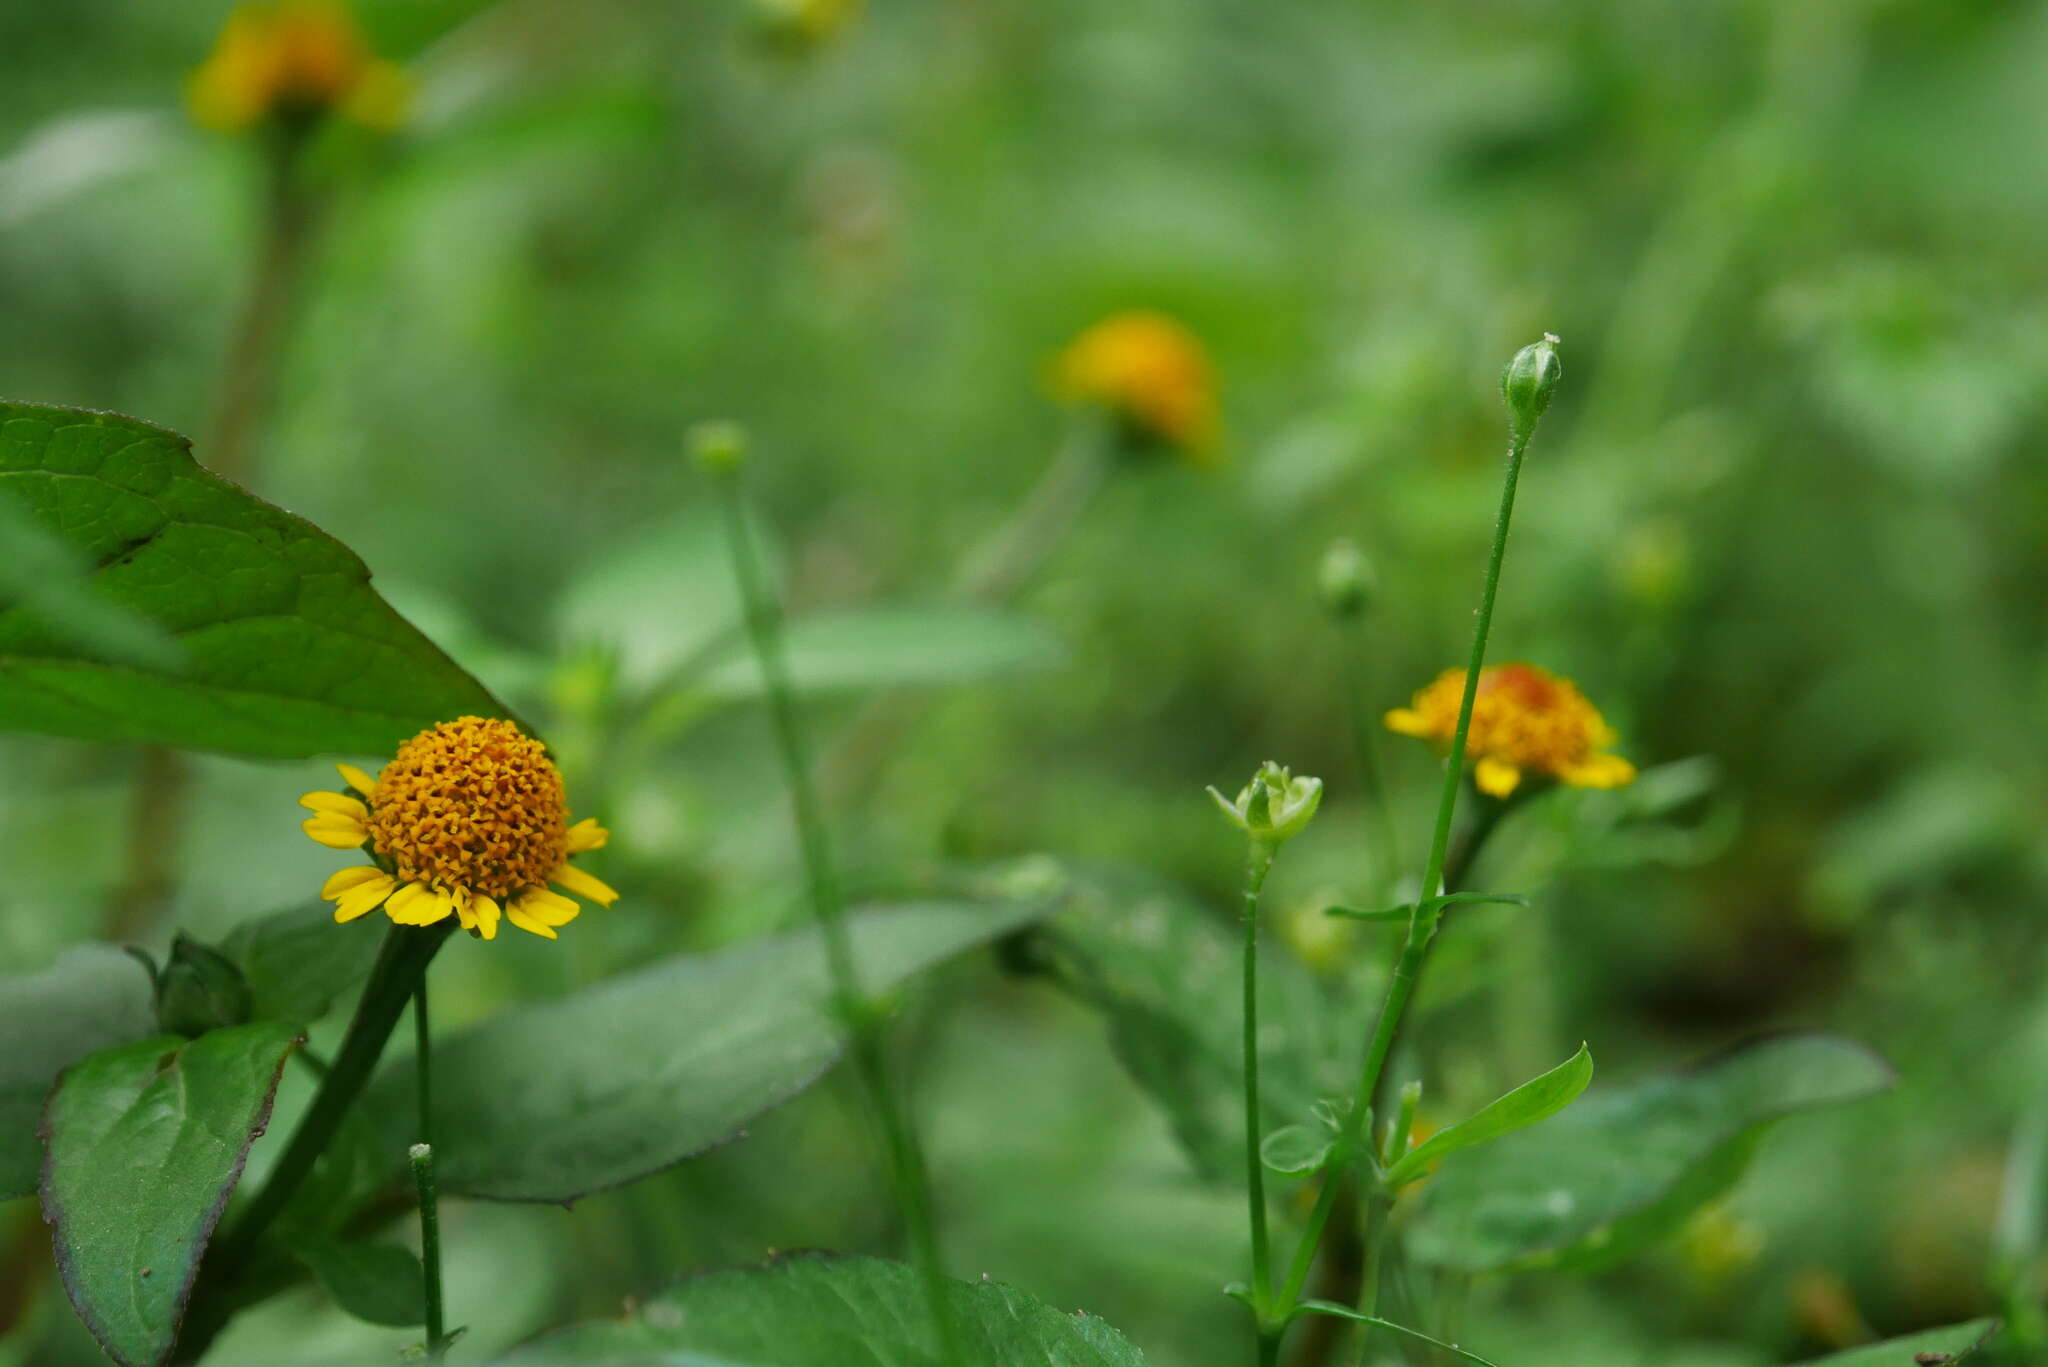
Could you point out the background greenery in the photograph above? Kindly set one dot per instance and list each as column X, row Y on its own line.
column 1785, row 515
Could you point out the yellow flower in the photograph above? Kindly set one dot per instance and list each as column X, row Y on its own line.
column 803, row 24
column 468, row 819
column 1523, row 718
column 295, row 59
column 1152, row 371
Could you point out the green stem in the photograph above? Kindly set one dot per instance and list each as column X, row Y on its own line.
column 1378, row 1210
column 423, row 1061
column 1365, row 739
column 422, row 1156
column 906, row 1159
column 1422, row 922
column 1258, row 863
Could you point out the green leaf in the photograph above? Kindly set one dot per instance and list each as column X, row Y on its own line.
column 1623, row 1168
column 553, row 1101
column 48, row 580
column 1532, row 1101
column 296, row 964
column 895, row 647
column 1296, row 1149
column 823, row 1310
column 380, row 1283
column 288, row 651
column 144, row 1143
column 93, row 997
column 1936, row 1347
column 1345, row 1312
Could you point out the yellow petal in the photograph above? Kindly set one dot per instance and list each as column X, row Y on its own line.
column 1496, row 777
column 516, row 914
column 1407, row 722
column 587, row 835
column 337, row 803
column 357, row 779
column 465, row 912
column 484, row 912
column 335, row 831
column 439, row 909
column 584, row 885
column 350, row 878
column 406, row 903
column 364, row 898
column 550, row 908
column 1598, row 771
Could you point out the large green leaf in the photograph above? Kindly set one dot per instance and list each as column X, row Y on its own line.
column 895, row 647
column 822, row 1310
column 144, row 1143
column 380, row 1283
column 287, row 650
column 1536, row 1099
column 93, row 997
column 1166, row 973
column 554, row 1101
column 1621, row 1169
column 295, row 964
column 1933, row 1347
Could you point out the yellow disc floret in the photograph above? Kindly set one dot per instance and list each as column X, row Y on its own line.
column 1523, row 718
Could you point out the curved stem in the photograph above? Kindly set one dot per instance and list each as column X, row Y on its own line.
column 1258, row 863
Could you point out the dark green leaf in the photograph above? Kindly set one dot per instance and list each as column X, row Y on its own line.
column 93, row 997
column 288, row 651
column 48, row 579
column 1623, row 1168
column 144, row 1143
column 381, row 1283
column 1952, row 1343
column 296, row 964
column 1296, row 1149
column 554, row 1101
column 896, row 647
column 821, row 1310
column 1399, row 913
column 1532, row 1101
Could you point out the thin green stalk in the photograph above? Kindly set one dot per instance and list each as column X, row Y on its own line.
column 1258, row 863
column 906, row 1160
column 1378, row 1209
column 430, row 1249
column 1384, row 833
column 423, row 1061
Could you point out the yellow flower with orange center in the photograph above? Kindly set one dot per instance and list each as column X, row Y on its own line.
column 1152, row 372
column 468, row 820
column 295, row 58
column 1523, row 719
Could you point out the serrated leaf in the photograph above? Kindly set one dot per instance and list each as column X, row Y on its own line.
column 1623, row 1168
column 288, row 652
column 295, row 964
column 144, row 1142
column 378, row 1283
column 1952, row 1343
column 895, row 647
column 1295, row 1149
column 1534, row 1100
column 553, row 1101
column 823, row 1310
column 93, row 997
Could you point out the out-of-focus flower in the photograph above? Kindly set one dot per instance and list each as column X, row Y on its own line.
column 1523, row 719
column 295, row 60
column 1716, row 1244
column 801, row 25
column 1152, row 372
column 468, row 819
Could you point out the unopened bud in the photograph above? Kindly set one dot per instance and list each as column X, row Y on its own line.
column 1274, row 807
column 719, row 448
column 200, row 989
column 1528, row 381
column 1346, row 580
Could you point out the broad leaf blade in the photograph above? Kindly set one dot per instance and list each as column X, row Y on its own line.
column 896, row 647
column 378, row 1283
column 821, row 1310
column 635, row 1074
column 92, row 998
column 1622, row 1168
column 144, row 1142
column 1951, row 1343
column 295, row 964
column 288, row 652
column 1534, row 1100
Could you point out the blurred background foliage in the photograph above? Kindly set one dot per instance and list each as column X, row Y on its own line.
column 1783, row 525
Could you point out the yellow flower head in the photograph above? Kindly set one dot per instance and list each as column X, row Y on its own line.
column 295, row 59
column 1523, row 718
column 1152, row 371
column 468, row 820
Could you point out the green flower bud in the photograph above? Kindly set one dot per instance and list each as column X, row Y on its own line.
column 1274, row 807
column 719, row 448
column 1528, row 381
column 199, row 990
column 1346, row 580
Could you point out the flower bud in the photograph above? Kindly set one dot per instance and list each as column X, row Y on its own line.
column 1274, row 807
column 199, row 990
column 1346, row 580
column 1528, row 381
column 719, row 447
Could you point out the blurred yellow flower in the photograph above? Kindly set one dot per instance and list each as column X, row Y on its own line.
column 804, row 24
column 1152, row 372
column 1523, row 718
column 295, row 59
column 468, row 819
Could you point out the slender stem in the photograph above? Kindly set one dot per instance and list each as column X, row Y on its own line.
column 906, row 1159
column 1258, row 863
column 422, row 1156
column 423, row 1061
column 1377, row 1212
column 1007, row 561
column 1365, row 739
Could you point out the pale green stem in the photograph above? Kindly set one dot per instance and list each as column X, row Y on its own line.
column 430, row 1250
column 1257, row 864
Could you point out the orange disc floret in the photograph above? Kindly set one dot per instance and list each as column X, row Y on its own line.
column 1523, row 718
column 471, row 804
